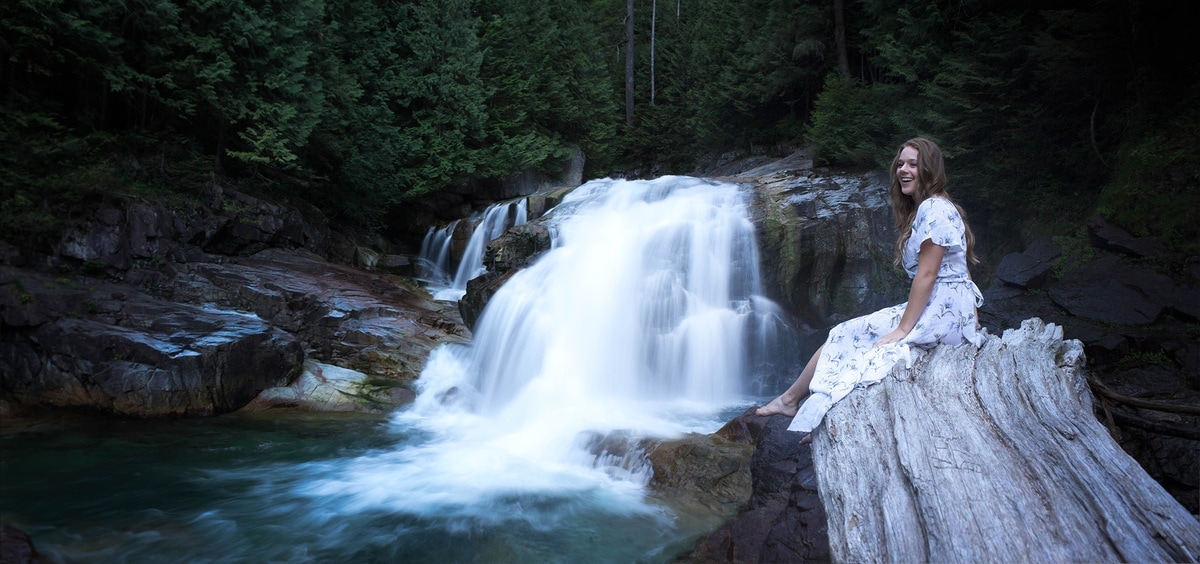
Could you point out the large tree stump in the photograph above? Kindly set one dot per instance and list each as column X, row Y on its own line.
column 990, row 455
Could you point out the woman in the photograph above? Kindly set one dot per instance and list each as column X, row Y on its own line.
column 934, row 247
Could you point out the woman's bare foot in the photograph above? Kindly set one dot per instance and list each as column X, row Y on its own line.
column 778, row 406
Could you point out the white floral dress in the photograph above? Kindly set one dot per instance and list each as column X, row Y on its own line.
column 850, row 360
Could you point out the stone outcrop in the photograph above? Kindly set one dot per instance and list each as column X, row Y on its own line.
column 89, row 344
column 707, row 473
column 826, row 241
column 782, row 520
column 1135, row 311
column 150, row 311
column 16, row 547
column 993, row 455
column 328, row 388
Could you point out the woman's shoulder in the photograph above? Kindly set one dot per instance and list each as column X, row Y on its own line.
column 937, row 205
column 936, row 201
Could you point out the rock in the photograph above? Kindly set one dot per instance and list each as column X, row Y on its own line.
column 372, row 323
column 251, row 225
column 81, row 342
column 16, row 547
column 1110, row 237
column 100, row 242
column 783, row 521
column 1097, row 290
column 108, row 347
column 990, row 454
column 395, row 264
column 230, row 223
column 365, row 258
column 515, row 249
column 1110, row 290
column 329, row 388
column 706, row 469
column 1030, row 268
column 826, row 245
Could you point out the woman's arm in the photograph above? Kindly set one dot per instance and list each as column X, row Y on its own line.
column 929, row 261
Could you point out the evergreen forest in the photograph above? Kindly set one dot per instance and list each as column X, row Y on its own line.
column 1048, row 111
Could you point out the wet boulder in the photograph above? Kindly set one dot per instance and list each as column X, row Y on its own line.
column 1112, row 238
column 328, row 388
column 373, row 323
column 826, row 243
column 1030, row 268
column 515, row 249
column 84, row 343
column 783, row 519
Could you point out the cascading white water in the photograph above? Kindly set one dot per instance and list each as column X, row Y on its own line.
column 434, row 260
column 637, row 322
column 433, row 263
column 646, row 295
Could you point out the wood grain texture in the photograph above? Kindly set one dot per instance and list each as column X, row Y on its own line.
column 990, row 455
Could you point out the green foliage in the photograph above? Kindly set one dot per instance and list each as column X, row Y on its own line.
column 726, row 75
column 848, row 126
column 1156, row 190
column 1027, row 105
column 361, row 107
column 1142, row 358
column 19, row 287
column 548, row 89
column 1075, row 250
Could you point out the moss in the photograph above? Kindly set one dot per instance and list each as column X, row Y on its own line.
column 1076, row 250
column 22, row 295
column 1143, row 358
column 1156, row 188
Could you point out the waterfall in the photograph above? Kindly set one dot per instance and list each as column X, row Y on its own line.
column 646, row 294
column 433, row 263
column 647, row 305
column 434, row 260
column 640, row 321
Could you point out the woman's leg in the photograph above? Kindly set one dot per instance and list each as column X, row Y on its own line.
column 788, row 403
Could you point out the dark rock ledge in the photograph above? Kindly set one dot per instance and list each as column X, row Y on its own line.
column 148, row 311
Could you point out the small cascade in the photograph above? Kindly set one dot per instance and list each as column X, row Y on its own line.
column 434, row 261
column 433, row 264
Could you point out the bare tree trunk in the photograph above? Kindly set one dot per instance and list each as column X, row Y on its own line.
column 653, row 21
column 629, row 63
column 990, row 455
column 839, row 37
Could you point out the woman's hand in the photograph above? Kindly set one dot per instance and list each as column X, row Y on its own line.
column 893, row 337
column 929, row 260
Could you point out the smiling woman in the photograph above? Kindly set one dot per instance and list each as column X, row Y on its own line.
column 934, row 248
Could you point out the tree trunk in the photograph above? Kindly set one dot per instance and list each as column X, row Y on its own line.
column 629, row 63
column 990, row 455
column 653, row 22
column 839, row 37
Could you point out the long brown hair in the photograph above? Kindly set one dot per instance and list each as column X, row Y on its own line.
column 931, row 181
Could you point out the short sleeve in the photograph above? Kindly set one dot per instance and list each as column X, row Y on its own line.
column 938, row 220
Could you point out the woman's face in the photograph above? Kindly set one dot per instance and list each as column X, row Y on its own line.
column 907, row 173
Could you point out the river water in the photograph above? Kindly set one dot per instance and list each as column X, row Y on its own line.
column 264, row 489
column 645, row 319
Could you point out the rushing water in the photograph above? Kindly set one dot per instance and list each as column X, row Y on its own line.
column 435, row 264
column 643, row 320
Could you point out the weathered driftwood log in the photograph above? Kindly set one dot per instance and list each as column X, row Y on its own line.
column 990, row 455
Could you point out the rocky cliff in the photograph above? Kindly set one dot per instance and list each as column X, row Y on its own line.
column 151, row 311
